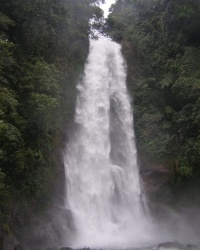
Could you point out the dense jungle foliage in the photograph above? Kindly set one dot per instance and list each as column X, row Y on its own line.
column 43, row 47
column 161, row 43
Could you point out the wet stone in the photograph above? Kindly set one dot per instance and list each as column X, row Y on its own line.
column 192, row 247
column 66, row 248
column 36, row 249
column 52, row 248
column 171, row 245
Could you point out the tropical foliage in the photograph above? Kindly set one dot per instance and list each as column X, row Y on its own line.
column 43, row 47
column 161, row 43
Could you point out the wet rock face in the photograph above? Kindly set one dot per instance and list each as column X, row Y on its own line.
column 9, row 243
column 155, row 178
column 49, row 231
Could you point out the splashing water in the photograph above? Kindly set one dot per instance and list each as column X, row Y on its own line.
column 103, row 186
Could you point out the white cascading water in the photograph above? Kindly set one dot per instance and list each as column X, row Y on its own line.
column 103, row 186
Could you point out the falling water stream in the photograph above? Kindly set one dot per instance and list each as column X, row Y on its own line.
column 103, row 186
column 103, row 189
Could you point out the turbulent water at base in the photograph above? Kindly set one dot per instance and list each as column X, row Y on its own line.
column 103, row 186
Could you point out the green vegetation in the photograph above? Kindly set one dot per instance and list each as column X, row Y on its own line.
column 43, row 47
column 161, row 43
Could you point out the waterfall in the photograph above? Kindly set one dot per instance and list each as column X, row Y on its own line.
column 103, row 185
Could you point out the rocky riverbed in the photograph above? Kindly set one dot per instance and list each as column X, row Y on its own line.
column 161, row 246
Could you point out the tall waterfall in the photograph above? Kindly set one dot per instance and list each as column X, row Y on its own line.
column 103, row 186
